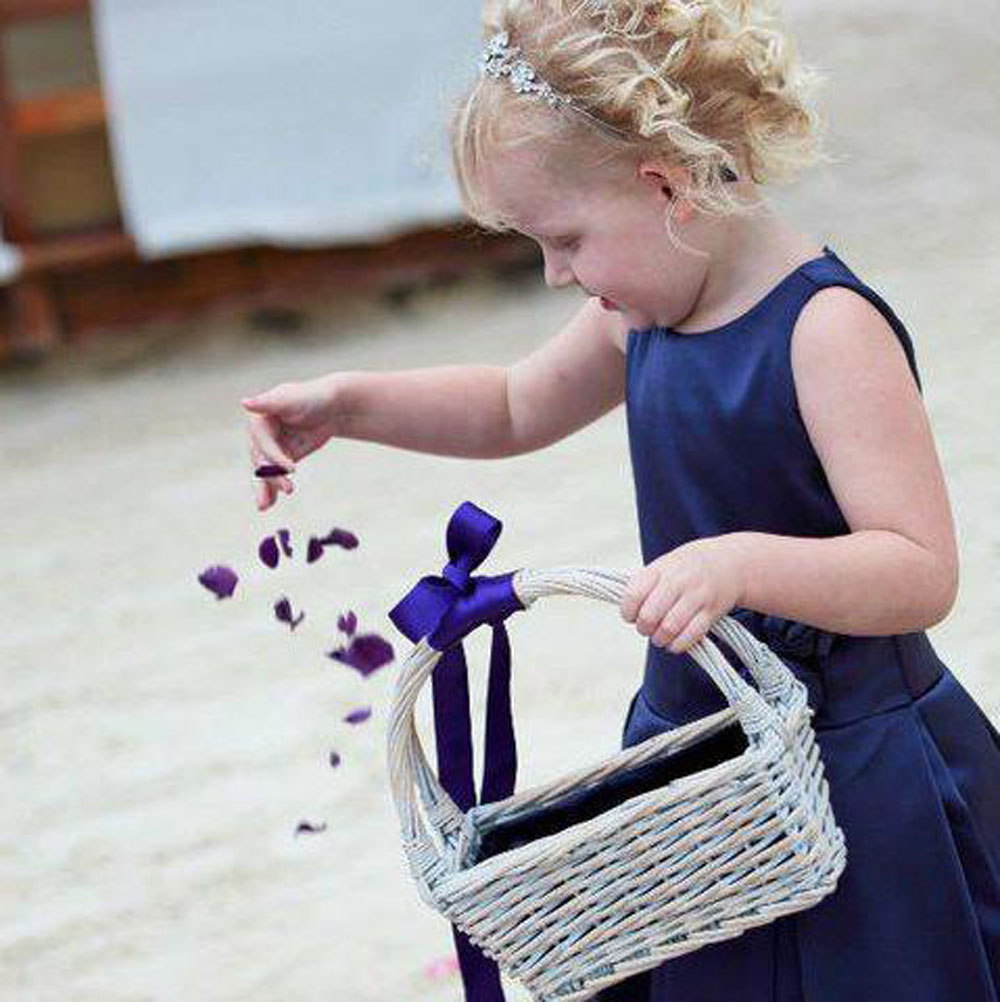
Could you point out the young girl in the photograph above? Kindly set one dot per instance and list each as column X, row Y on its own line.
column 784, row 467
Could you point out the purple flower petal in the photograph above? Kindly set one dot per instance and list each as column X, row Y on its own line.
column 334, row 759
column 348, row 623
column 358, row 716
column 308, row 826
column 314, row 551
column 284, row 538
column 283, row 611
column 366, row 653
column 270, row 470
column 268, row 551
column 340, row 537
column 219, row 579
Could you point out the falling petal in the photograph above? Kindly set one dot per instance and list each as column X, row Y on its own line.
column 219, row 580
column 284, row 538
column 268, row 551
column 314, row 551
column 348, row 623
column 334, row 759
column 270, row 470
column 283, row 611
column 308, row 826
column 358, row 716
column 341, row 537
column 443, row 967
column 366, row 653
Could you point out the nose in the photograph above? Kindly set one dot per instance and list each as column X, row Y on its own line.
column 557, row 274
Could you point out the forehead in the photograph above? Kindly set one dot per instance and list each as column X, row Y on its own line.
column 522, row 188
column 531, row 190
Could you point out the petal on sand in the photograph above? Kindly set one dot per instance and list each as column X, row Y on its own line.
column 284, row 537
column 283, row 611
column 348, row 623
column 219, row 580
column 314, row 551
column 308, row 826
column 358, row 716
column 340, row 537
column 268, row 551
column 334, row 759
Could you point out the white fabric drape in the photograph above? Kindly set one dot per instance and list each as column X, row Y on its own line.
column 299, row 122
column 10, row 261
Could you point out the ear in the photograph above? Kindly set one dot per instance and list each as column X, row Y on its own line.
column 669, row 183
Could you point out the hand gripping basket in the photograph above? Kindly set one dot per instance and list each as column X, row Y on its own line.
column 698, row 859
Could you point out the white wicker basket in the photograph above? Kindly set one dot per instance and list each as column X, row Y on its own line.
column 695, row 861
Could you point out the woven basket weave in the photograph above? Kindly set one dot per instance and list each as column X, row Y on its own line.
column 698, row 860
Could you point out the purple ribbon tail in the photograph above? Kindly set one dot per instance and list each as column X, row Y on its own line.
column 445, row 609
column 500, row 760
column 453, row 728
column 480, row 975
column 453, row 734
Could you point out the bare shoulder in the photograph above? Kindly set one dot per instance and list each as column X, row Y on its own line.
column 865, row 417
column 842, row 335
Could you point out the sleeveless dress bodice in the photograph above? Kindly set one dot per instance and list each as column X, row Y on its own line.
column 718, row 445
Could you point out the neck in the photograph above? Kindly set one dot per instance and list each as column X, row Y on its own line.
column 748, row 256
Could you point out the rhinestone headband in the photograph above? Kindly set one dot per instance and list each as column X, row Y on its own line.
column 500, row 59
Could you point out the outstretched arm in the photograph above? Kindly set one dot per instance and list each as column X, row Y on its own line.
column 488, row 412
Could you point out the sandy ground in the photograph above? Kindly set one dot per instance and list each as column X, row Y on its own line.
column 159, row 747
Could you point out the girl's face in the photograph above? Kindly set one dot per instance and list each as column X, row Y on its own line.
column 606, row 233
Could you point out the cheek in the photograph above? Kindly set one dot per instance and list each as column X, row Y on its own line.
column 602, row 270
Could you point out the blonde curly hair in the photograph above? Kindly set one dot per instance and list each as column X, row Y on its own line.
column 710, row 85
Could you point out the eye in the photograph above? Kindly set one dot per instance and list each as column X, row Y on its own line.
column 565, row 243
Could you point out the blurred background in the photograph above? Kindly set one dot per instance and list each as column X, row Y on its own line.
column 202, row 198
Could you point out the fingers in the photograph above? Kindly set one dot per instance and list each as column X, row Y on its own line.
column 265, row 495
column 667, row 615
column 682, row 625
column 639, row 586
column 695, row 630
column 260, row 403
column 265, row 451
column 654, row 611
column 267, row 491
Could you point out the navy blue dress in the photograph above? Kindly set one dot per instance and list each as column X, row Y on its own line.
column 718, row 445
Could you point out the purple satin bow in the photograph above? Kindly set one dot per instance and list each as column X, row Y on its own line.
column 445, row 609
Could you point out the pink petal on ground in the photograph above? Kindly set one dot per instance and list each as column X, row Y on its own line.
column 443, row 967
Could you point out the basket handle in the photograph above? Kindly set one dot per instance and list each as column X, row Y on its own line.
column 410, row 773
